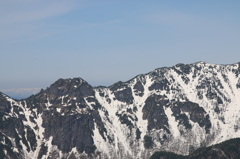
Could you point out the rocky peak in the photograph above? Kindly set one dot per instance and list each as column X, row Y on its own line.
column 69, row 86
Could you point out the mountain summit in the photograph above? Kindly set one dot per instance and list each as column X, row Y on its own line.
column 176, row 109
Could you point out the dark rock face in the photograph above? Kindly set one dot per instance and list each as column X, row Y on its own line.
column 12, row 127
column 124, row 95
column 197, row 114
column 71, row 87
column 182, row 118
column 160, row 82
column 5, row 106
column 73, row 125
column 182, row 68
column 148, row 143
column 69, row 92
column 153, row 111
column 161, row 85
column 6, row 150
column 138, row 89
column 122, row 92
column 70, row 131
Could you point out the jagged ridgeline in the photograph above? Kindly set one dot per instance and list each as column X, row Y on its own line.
column 176, row 109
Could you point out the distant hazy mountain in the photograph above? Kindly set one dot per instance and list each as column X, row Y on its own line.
column 21, row 93
column 175, row 109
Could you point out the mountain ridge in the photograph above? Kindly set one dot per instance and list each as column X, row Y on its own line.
column 225, row 150
column 177, row 109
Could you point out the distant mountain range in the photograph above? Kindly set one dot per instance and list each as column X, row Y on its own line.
column 175, row 109
column 21, row 93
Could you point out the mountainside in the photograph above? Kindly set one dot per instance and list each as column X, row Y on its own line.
column 176, row 109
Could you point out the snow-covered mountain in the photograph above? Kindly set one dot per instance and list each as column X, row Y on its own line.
column 177, row 109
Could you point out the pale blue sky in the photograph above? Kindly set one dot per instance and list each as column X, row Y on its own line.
column 107, row 41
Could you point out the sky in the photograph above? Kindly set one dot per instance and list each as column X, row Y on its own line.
column 106, row 41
